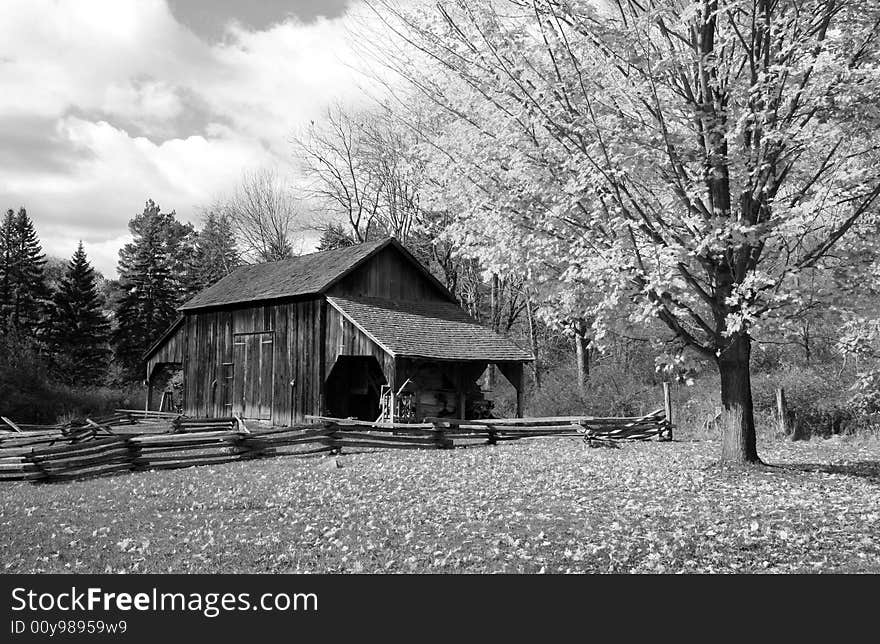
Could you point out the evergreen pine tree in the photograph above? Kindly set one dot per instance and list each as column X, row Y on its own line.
column 152, row 277
column 216, row 253
column 78, row 331
column 335, row 236
column 23, row 290
column 181, row 241
column 6, row 268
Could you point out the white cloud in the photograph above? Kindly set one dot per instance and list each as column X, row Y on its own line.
column 272, row 81
column 95, row 198
column 59, row 54
column 135, row 106
column 142, row 103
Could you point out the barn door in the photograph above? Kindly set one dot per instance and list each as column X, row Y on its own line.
column 253, row 375
column 228, row 387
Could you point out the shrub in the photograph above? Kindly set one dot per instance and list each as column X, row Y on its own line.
column 696, row 408
column 610, row 392
column 24, row 390
column 77, row 403
column 28, row 395
column 819, row 400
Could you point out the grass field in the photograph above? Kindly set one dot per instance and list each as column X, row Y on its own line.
column 544, row 505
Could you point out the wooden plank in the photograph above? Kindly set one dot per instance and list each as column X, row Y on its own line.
column 147, row 452
column 303, row 452
column 366, row 423
column 13, row 459
column 30, row 430
column 174, row 461
column 83, row 474
column 289, row 428
column 178, row 439
column 10, row 423
column 285, row 442
column 140, row 413
column 103, row 428
column 552, row 420
column 297, row 433
column 267, row 375
column 183, row 420
column 421, row 440
column 364, row 443
column 81, row 448
column 24, row 466
column 34, row 443
column 173, row 458
column 239, row 347
column 67, row 465
column 322, row 355
column 281, row 382
column 21, row 476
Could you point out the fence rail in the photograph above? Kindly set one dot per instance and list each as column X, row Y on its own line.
column 127, row 442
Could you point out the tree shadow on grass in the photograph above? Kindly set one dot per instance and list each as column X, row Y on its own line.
column 869, row 470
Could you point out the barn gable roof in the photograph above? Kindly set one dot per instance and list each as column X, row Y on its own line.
column 427, row 329
column 298, row 276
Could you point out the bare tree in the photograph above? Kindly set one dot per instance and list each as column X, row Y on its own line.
column 263, row 211
column 332, row 156
column 359, row 168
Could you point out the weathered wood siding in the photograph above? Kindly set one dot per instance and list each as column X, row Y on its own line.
column 344, row 339
column 288, row 378
column 171, row 351
column 388, row 275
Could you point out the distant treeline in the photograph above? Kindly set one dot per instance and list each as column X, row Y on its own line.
column 80, row 329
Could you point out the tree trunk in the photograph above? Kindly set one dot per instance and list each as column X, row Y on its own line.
column 738, row 439
column 533, row 339
column 582, row 346
column 805, row 336
column 493, row 314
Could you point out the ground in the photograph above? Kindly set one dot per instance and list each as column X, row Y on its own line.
column 540, row 505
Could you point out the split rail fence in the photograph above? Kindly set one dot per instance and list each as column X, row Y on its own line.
column 137, row 441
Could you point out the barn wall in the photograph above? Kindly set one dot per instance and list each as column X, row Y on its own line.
column 295, row 370
column 170, row 351
column 389, row 275
column 344, row 338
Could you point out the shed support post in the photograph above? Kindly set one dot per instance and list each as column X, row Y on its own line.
column 513, row 371
column 519, row 395
column 462, row 392
column 322, row 362
column 515, row 375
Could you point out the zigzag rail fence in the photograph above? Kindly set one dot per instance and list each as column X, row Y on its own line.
column 137, row 441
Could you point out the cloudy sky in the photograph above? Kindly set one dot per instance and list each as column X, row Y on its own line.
column 107, row 103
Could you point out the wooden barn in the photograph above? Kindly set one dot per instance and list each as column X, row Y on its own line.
column 364, row 331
